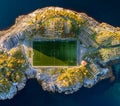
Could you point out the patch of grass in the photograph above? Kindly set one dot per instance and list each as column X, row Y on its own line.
column 44, row 60
column 54, row 53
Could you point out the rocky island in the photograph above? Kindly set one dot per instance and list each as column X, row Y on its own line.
column 65, row 50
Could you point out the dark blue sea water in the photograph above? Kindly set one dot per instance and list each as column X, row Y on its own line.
column 104, row 93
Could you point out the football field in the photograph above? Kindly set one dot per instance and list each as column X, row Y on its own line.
column 54, row 53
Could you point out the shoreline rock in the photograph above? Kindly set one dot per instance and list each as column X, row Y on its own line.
column 12, row 37
column 48, row 82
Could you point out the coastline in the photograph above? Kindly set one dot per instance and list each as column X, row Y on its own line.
column 17, row 32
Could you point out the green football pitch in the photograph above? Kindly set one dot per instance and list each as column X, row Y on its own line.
column 54, row 53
